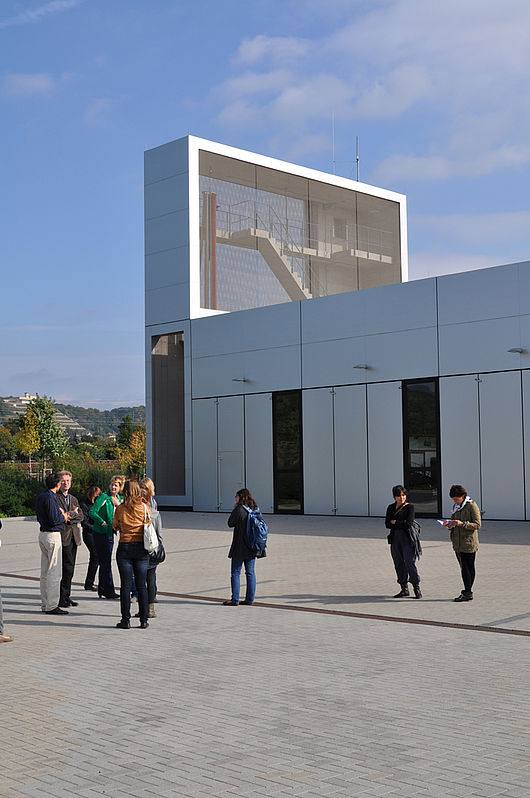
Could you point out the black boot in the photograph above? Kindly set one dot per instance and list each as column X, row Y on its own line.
column 417, row 591
column 404, row 592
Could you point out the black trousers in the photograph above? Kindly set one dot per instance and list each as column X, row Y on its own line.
column 467, row 568
column 404, row 558
column 93, row 562
column 69, row 555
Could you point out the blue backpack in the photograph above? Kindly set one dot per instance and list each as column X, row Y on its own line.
column 256, row 532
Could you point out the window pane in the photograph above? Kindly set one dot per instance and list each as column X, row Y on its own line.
column 421, row 445
column 287, row 452
column 167, row 369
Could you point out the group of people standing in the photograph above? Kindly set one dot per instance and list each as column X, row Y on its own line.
column 405, row 547
column 65, row 522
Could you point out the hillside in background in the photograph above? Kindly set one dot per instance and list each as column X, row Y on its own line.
column 97, row 422
column 101, row 422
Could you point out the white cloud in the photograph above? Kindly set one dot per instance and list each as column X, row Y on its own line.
column 28, row 85
column 459, row 69
column 42, row 11
column 277, row 49
column 96, row 113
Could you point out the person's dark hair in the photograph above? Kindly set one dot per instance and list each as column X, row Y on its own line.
column 52, row 480
column 457, row 490
column 244, row 496
column 397, row 490
column 92, row 494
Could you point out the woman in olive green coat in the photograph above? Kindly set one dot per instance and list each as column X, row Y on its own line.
column 465, row 524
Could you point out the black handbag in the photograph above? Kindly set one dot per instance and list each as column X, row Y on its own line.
column 158, row 555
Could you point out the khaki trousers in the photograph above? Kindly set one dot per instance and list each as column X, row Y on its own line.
column 51, row 569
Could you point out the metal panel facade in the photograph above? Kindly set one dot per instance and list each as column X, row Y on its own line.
column 351, row 456
column 385, row 443
column 501, row 445
column 317, row 415
column 258, row 449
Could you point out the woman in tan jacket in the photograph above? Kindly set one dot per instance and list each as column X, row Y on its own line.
column 465, row 524
column 131, row 556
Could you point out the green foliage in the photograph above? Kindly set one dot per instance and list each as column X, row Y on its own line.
column 8, row 446
column 86, row 471
column 133, row 457
column 53, row 441
column 28, row 440
column 17, row 492
column 126, row 430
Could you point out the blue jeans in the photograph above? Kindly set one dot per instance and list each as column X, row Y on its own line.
column 235, row 572
column 103, row 546
column 132, row 558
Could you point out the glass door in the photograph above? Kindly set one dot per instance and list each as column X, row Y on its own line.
column 287, row 436
column 421, row 438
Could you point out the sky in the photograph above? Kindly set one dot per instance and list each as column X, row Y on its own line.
column 438, row 93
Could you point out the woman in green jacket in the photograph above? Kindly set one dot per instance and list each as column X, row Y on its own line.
column 465, row 524
column 102, row 514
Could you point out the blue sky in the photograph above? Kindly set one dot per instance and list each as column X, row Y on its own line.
column 438, row 94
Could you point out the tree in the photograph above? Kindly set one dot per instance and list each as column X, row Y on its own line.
column 53, row 441
column 126, row 430
column 28, row 440
column 7, row 445
column 134, row 456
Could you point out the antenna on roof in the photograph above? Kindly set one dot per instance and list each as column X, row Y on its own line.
column 357, row 155
column 333, row 141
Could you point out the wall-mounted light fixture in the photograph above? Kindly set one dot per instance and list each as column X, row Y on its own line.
column 362, row 366
column 517, row 350
column 240, row 379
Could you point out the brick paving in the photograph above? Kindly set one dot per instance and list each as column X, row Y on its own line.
column 264, row 701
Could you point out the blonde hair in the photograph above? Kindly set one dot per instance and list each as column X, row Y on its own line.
column 149, row 485
column 131, row 493
column 119, row 479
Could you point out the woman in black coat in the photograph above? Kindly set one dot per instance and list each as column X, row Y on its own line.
column 399, row 517
column 88, row 539
column 239, row 553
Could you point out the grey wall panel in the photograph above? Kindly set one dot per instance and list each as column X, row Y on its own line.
column 403, row 355
column 265, row 370
column 406, row 306
column 166, row 232
column 230, row 448
column 165, row 305
column 318, row 450
column 258, row 449
column 333, row 317
column 169, row 267
column 459, row 437
column 332, row 362
column 501, row 445
column 479, row 346
column 166, row 160
column 386, row 309
column 248, row 330
column 476, row 295
column 351, row 457
column 166, row 196
column 526, row 438
column 385, row 443
column 205, row 455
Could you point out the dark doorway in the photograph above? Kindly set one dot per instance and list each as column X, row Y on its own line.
column 421, row 440
column 287, row 432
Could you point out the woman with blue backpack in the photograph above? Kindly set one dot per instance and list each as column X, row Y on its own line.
column 248, row 542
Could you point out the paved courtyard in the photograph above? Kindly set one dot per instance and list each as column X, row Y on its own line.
column 366, row 696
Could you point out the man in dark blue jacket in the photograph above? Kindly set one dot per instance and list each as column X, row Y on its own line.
column 51, row 519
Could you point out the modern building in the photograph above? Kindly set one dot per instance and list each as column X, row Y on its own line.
column 286, row 350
